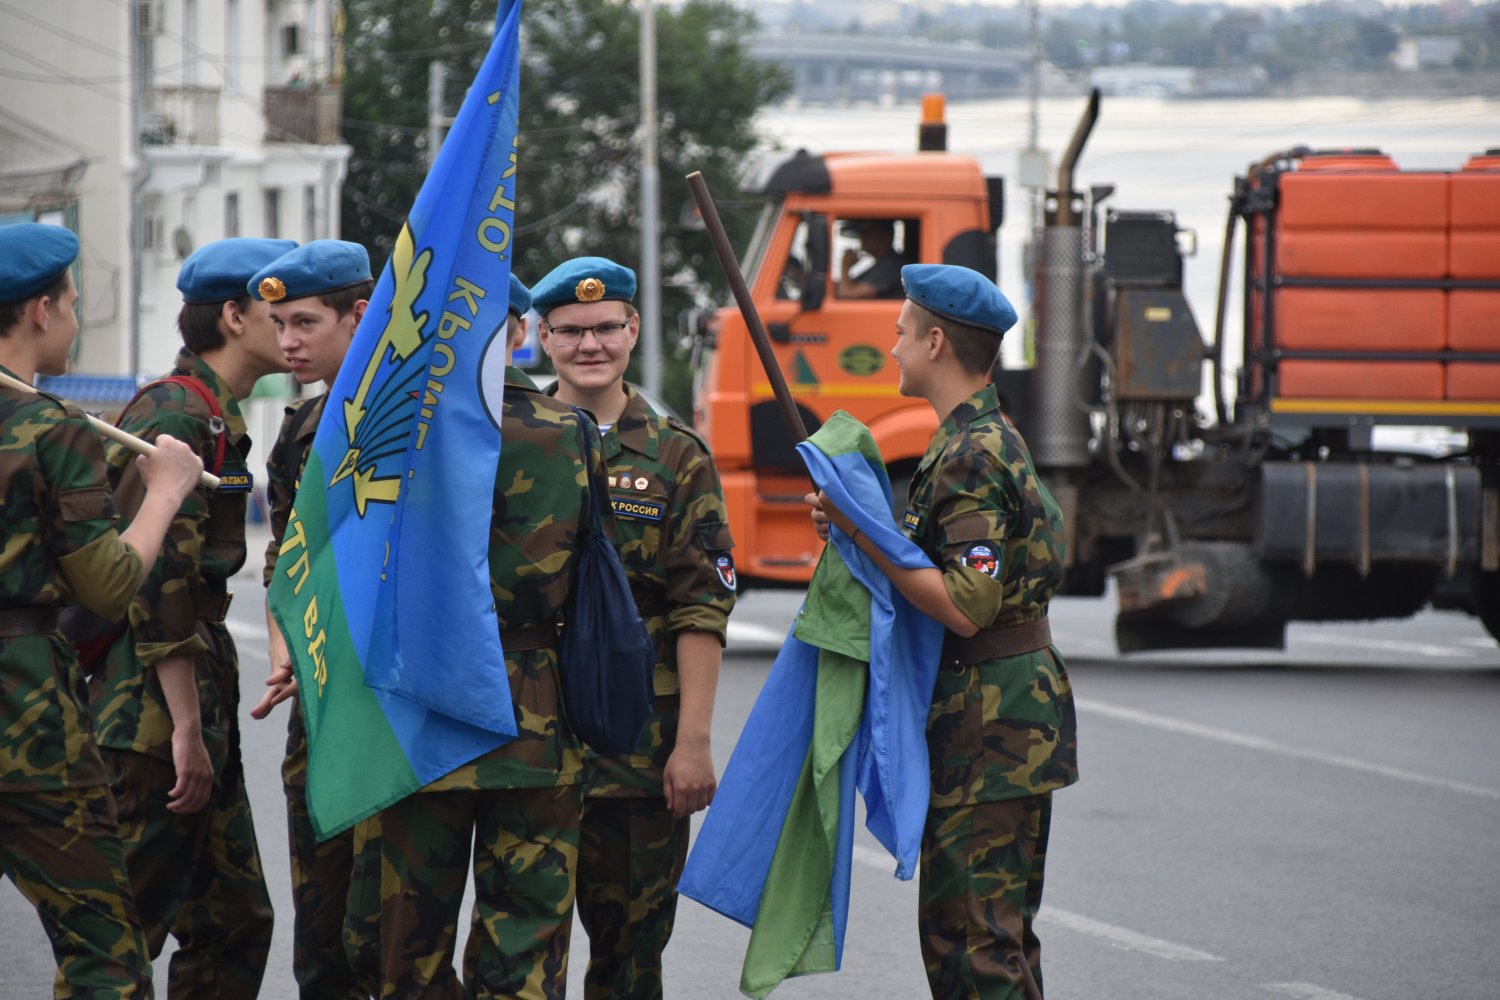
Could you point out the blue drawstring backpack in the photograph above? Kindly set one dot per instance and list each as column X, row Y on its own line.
column 606, row 659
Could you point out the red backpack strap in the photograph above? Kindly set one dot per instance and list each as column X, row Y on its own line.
column 196, row 386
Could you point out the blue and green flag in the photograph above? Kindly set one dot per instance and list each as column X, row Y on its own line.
column 382, row 583
column 843, row 709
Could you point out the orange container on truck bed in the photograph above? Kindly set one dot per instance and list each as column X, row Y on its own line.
column 1362, row 224
column 1311, row 379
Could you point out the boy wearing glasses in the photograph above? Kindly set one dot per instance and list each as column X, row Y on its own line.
column 673, row 536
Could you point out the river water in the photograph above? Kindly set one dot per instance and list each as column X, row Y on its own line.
column 1160, row 154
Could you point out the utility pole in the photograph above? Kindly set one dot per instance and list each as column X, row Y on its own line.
column 650, row 209
column 437, row 78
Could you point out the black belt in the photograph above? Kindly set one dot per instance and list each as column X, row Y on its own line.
column 211, row 605
column 996, row 641
column 27, row 621
column 514, row 640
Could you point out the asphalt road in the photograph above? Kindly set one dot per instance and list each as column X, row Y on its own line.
column 1317, row 824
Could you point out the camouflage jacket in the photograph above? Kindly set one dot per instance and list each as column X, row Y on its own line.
column 180, row 609
column 1003, row 728
column 58, row 545
column 540, row 491
column 672, row 533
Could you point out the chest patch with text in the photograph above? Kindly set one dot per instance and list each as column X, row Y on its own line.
column 638, row 508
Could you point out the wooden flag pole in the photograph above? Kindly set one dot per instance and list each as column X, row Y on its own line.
column 741, row 292
column 109, row 430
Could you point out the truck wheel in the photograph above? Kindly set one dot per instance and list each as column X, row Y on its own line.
column 1487, row 602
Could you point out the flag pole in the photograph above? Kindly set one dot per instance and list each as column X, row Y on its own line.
column 109, row 430
column 741, row 292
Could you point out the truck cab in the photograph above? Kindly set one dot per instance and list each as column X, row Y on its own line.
column 831, row 331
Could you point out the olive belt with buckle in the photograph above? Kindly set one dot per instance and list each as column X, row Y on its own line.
column 27, row 621
column 996, row 641
column 212, row 605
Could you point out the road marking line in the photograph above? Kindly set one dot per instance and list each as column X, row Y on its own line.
column 1388, row 645
column 244, row 633
column 750, row 632
column 1305, row 991
column 1249, row 742
column 1127, row 940
column 1117, row 937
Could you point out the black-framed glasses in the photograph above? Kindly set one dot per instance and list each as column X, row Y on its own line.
column 605, row 333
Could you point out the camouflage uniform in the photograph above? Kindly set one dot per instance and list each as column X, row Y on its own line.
column 197, row 875
column 320, row 872
column 672, row 532
column 58, row 838
column 1001, row 733
column 522, row 801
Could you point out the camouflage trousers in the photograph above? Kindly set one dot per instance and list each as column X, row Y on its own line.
column 525, row 851
column 63, row 852
column 320, row 886
column 197, row 876
column 630, row 856
column 981, row 887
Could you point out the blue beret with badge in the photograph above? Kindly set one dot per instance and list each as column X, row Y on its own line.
column 520, row 296
column 960, row 294
column 218, row 271
column 583, row 279
column 315, row 268
column 32, row 256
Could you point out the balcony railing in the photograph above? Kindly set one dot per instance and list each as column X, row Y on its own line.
column 304, row 114
column 182, row 116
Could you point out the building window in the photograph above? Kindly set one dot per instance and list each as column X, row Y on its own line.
column 309, row 212
column 231, row 214
column 273, row 213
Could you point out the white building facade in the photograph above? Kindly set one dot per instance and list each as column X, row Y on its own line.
column 152, row 127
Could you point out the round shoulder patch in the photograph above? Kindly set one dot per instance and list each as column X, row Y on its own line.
column 983, row 556
column 724, row 566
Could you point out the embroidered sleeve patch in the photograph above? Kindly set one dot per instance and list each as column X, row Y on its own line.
column 724, row 566
column 984, row 557
column 637, row 509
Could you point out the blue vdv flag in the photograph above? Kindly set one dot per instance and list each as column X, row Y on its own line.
column 382, row 584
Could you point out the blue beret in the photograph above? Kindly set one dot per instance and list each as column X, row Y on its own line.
column 218, row 272
column 32, row 255
column 583, row 279
column 315, row 268
column 520, row 296
column 960, row 294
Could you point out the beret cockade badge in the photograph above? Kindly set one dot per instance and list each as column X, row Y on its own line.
column 272, row 289
column 589, row 290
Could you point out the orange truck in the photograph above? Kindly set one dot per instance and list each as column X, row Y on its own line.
column 1371, row 299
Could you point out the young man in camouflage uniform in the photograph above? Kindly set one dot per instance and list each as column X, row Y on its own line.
column 519, row 804
column 166, row 702
column 59, row 841
column 1001, row 734
column 325, row 287
column 673, row 537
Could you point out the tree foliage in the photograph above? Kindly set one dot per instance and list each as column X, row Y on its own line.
column 580, row 152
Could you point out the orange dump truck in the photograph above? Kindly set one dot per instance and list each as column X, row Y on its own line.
column 1371, row 300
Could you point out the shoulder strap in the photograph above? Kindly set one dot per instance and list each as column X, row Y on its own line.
column 194, row 385
column 597, row 496
column 291, row 464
